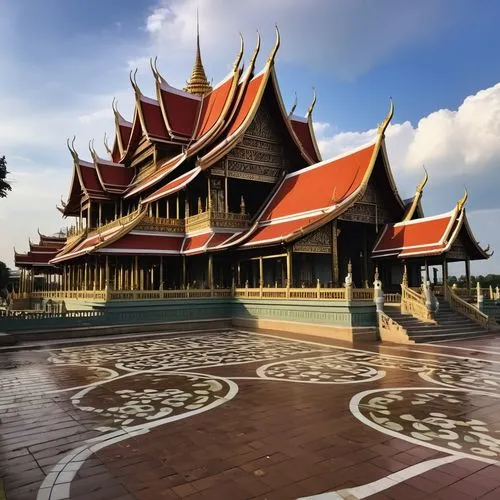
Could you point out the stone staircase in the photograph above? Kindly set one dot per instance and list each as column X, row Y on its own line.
column 450, row 325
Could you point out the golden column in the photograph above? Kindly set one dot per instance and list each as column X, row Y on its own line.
column 135, row 283
column 210, row 271
column 289, row 269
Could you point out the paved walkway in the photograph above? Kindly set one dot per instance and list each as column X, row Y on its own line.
column 236, row 415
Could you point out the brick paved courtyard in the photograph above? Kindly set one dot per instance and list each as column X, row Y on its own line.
column 235, row 415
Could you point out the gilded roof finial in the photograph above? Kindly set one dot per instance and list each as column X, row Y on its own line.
column 461, row 201
column 383, row 126
column 106, row 145
column 272, row 55
column 240, row 54
column 313, row 103
column 198, row 83
column 294, row 105
column 72, row 149
column 422, row 184
column 133, row 81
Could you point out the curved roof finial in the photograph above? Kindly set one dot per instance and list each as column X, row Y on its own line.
column 240, row 54
column 156, row 72
column 133, row 81
column 153, row 67
column 92, row 150
column 106, row 145
column 251, row 64
column 461, row 201
column 272, row 55
column 294, row 105
column 383, row 126
column 313, row 103
column 71, row 148
column 422, row 184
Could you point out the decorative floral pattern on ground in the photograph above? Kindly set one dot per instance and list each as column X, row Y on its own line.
column 185, row 351
column 479, row 380
column 436, row 418
column 147, row 397
column 319, row 370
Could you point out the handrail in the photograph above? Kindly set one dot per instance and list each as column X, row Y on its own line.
column 391, row 331
column 466, row 309
column 272, row 293
column 414, row 304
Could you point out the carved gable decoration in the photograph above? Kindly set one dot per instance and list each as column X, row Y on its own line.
column 260, row 155
column 320, row 241
column 370, row 209
column 457, row 250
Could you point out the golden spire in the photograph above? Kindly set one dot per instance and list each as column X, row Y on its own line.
column 198, row 83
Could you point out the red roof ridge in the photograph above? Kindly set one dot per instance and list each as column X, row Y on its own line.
column 322, row 163
column 156, row 176
column 425, row 219
column 173, row 186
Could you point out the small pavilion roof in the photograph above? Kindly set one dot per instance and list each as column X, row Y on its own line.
column 90, row 242
column 428, row 236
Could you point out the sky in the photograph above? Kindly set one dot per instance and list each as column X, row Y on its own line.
column 63, row 61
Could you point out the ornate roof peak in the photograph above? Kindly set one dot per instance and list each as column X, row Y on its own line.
column 198, row 83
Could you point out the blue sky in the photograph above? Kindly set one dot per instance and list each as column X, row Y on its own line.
column 64, row 61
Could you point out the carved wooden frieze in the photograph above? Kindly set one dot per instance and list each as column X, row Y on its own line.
column 457, row 251
column 319, row 241
column 370, row 209
column 259, row 156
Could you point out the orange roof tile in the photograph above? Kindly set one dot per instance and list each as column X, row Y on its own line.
column 320, row 186
column 162, row 171
column 303, row 131
column 173, row 186
column 181, row 110
column 153, row 119
column 275, row 233
column 212, row 106
column 136, row 242
column 426, row 236
column 196, row 244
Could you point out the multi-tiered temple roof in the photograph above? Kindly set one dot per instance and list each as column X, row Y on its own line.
column 164, row 188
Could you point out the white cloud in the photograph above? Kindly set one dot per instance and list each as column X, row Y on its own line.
column 157, row 19
column 355, row 34
column 457, row 147
column 448, row 142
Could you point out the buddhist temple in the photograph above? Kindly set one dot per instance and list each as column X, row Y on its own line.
column 218, row 188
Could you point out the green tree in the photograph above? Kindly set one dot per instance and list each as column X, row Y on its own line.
column 4, row 275
column 4, row 185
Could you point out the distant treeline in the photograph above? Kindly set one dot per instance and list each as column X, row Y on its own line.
column 485, row 281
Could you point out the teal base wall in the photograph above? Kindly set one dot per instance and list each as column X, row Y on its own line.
column 139, row 315
column 345, row 314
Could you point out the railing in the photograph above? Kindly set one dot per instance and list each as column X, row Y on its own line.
column 463, row 307
column 216, row 219
column 168, row 294
column 365, row 294
column 391, row 331
column 163, row 224
column 413, row 303
column 21, row 315
column 70, row 294
column 340, row 294
column 392, row 298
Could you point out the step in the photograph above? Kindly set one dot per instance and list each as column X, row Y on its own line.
column 434, row 338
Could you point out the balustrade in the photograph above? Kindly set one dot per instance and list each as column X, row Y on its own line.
column 461, row 306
